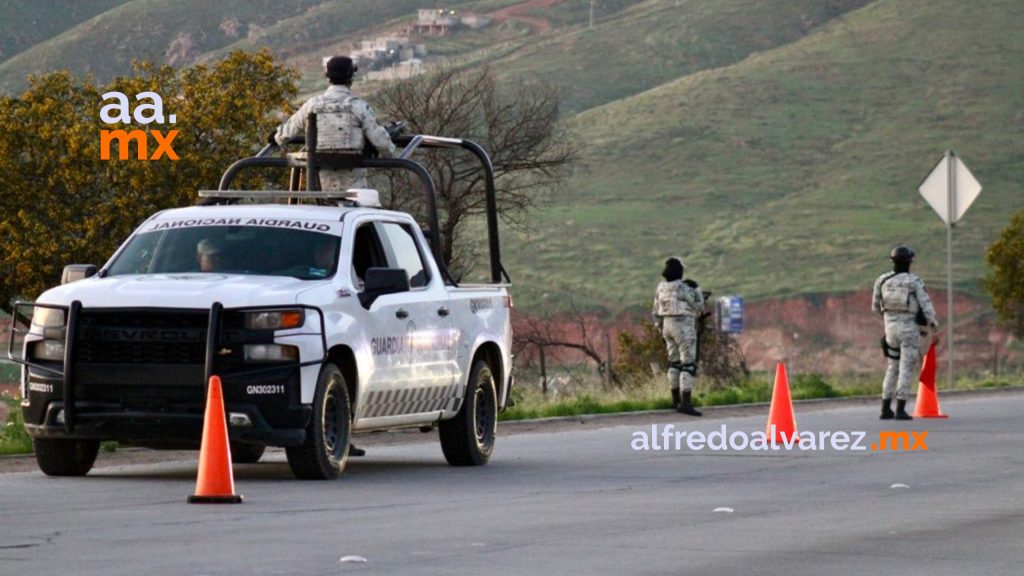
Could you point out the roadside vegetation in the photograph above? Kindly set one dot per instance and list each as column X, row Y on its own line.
column 13, row 438
column 581, row 397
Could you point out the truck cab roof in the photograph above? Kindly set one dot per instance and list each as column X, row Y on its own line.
column 281, row 211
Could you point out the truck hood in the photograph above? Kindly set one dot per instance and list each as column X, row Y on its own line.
column 194, row 290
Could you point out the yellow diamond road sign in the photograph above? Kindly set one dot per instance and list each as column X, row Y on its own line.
column 950, row 188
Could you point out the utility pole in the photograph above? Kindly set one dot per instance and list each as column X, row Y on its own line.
column 591, row 14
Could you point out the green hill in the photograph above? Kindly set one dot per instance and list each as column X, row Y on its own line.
column 28, row 22
column 158, row 30
column 776, row 145
column 656, row 41
column 795, row 170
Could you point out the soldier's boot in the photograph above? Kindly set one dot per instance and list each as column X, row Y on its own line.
column 686, row 406
column 675, row 399
column 353, row 451
column 887, row 413
column 901, row 411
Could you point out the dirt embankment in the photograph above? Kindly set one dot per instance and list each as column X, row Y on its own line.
column 838, row 333
column 830, row 334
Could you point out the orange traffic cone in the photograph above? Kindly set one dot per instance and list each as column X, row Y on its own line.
column 781, row 413
column 927, row 405
column 216, row 483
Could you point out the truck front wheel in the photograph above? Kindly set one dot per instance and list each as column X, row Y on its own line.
column 64, row 457
column 247, row 453
column 323, row 454
column 468, row 439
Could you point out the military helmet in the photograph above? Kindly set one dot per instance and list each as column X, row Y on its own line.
column 902, row 254
column 673, row 269
column 340, row 68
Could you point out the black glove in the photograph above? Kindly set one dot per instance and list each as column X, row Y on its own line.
column 272, row 139
column 690, row 283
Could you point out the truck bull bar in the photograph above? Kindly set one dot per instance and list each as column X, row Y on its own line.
column 214, row 339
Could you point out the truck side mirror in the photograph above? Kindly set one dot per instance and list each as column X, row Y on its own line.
column 381, row 281
column 75, row 272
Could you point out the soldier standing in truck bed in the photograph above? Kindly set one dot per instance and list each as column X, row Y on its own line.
column 345, row 122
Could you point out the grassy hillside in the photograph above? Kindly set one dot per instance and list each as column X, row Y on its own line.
column 157, row 30
column 777, row 145
column 28, row 22
column 656, row 41
column 795, row 170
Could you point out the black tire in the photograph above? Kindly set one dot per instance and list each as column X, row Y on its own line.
column 322, row 456
column 246, row 453
column 468, row 439
column 64, row 457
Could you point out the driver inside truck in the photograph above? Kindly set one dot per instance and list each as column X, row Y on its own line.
column 208, row 253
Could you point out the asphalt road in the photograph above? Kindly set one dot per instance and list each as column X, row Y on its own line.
column 572, row 501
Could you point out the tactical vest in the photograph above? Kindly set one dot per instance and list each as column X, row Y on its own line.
column 337, row 126
column 898, row 294
column 669, row 302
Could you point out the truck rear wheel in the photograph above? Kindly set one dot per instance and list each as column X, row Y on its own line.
column 323, row 454
column 65, row 457
column 468, row 439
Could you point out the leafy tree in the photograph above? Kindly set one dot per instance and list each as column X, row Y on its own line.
column 1005, row 282
column 530, row 148
column 59, row 203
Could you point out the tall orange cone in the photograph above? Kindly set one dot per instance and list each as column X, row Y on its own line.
column 927, row 405
column 216, row 482
column 781, row 413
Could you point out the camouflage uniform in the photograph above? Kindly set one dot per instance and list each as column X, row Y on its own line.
column 676, row 306
column 898, row 296
column 344, row 123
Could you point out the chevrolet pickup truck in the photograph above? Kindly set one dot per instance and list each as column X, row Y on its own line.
column 322, row 320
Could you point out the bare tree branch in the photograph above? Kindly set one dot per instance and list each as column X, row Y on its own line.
column 530, row 149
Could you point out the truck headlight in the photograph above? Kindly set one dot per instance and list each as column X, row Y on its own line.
column 270, row 353
column 276, row 320
column 48, row 350
column 48, row 317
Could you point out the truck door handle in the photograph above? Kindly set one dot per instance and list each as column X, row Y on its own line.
column 401, row 313
column 443, row 311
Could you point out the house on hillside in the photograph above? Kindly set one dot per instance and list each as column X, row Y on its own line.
column 384, row 51
column 437, row 22
column 430, row 22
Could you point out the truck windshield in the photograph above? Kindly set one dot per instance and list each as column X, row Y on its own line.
column 251, row 250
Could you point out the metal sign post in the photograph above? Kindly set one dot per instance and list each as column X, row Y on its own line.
column 950, row 189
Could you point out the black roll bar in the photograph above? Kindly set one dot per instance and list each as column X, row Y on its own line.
column 409, row 145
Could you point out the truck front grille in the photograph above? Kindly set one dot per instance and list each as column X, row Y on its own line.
column 142, row 337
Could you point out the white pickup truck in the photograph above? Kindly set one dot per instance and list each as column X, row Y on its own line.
column 321, row 321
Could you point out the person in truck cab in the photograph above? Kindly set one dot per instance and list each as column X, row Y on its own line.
column 209, row 253
column 344, row 123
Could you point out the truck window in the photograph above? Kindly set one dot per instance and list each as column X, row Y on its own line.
column 367, row 253
column 248, row 250
column 403, row 252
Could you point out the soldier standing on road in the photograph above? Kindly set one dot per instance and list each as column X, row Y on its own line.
column 676, row 306
column 344, row 123
column 900, row 298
